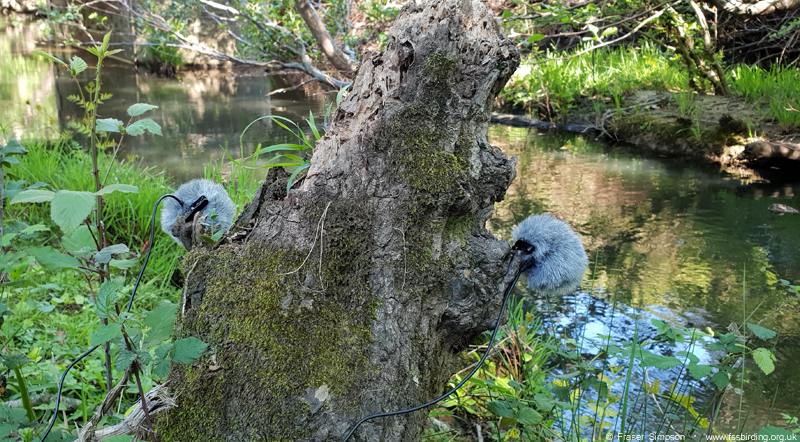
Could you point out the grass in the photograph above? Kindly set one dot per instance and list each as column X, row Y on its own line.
column 555, row 84
column 558, row 80
column 65, row 166
column 776, row 91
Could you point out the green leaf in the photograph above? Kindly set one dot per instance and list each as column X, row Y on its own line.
column 186, row 350
column 103, row 256
column 33, row 196
column 761, row 332
column 313, row 125
column 49, row 57
column 106, row 39
column 109, row 125
column 277, row 147
column 340, row 94
column 507, row 13
column 13, row 361
column 52, row 259
column 7, row 238
column 13, row 147
column 81, row 242
column 501, row 408
column 13, row 188
column 296, row 172
column 160, row 321
column 112, row 52
column 124, row 188
column 764, row 358
column 69, row 208
column 161, row 364
column 124, row 359
column 721, row 379
column 594, row 30
column 138, row 127
column 699, row 371
column 106, row 333
column 535, row 37
column 137, row 109
column 658, row 361
column 528, row 416
column 77, row 65
column 609, row 31
column 10, row 160
column 34, row 228
column 123, row 264
column 106, row 297
column 781, row 433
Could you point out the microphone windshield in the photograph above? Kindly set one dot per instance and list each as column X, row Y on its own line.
column 560, row 259
column 192, row 194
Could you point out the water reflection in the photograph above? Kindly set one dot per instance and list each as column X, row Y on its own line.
column 201, row 113
column 673, row 238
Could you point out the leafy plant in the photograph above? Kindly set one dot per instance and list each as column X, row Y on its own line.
column 284, row 159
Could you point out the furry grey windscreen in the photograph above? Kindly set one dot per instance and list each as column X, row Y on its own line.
column 560, row 259
column 218, row 199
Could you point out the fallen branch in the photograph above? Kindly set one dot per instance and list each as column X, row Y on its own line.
column 157, row 399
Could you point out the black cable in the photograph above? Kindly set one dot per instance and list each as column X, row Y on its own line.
column 61, row 384
column 130, row 304
column 474, row 370
column 150, row 247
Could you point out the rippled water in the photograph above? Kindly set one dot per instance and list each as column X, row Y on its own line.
column 667, row 239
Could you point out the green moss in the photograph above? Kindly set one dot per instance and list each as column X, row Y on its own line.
column 285, row 337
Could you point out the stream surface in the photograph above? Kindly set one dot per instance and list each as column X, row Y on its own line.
column 667, row 239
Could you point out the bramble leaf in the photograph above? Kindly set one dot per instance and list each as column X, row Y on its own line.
column 106, row 333
column 106, row 296
column 138, row 127
column 33, row 196
column 137, row 109
column 69, row 208
column 109, row 125
column 124, row 188
column 761, row 332
column 186, row 350
column 764, row 358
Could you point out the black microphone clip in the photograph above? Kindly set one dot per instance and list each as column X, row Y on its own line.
column 526, row 250
column 195, row 207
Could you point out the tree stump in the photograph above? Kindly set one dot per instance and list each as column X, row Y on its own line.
column 354, row 293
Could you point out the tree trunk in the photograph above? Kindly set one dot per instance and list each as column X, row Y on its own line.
column 355, row 293
column 338, row 59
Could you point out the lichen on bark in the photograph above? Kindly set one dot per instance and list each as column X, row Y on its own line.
column 353, row 293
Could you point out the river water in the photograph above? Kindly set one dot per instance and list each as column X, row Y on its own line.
column 667, row 239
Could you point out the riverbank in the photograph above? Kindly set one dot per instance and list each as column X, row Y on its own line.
column 726, row 131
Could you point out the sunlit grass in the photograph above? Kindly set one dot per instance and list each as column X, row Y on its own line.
column 776, row 90
column 564, row 78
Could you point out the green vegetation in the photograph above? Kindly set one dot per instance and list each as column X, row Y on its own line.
column 776, row 92
column 556, row 83
column 543, row 386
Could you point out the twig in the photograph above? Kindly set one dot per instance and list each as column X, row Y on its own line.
column 319, row 224
column 291, row 88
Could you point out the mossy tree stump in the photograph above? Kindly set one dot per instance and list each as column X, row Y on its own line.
column 354, row 293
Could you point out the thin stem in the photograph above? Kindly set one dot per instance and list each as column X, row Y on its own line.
column 135, row 369
column 2, row 201
column 99, row 201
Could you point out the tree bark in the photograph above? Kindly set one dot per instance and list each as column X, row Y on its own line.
column 354, row 293
column 338, row 59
